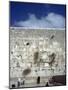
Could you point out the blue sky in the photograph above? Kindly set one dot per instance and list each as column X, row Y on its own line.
column 37, row 15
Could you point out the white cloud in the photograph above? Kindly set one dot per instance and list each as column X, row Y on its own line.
column 52, row 20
